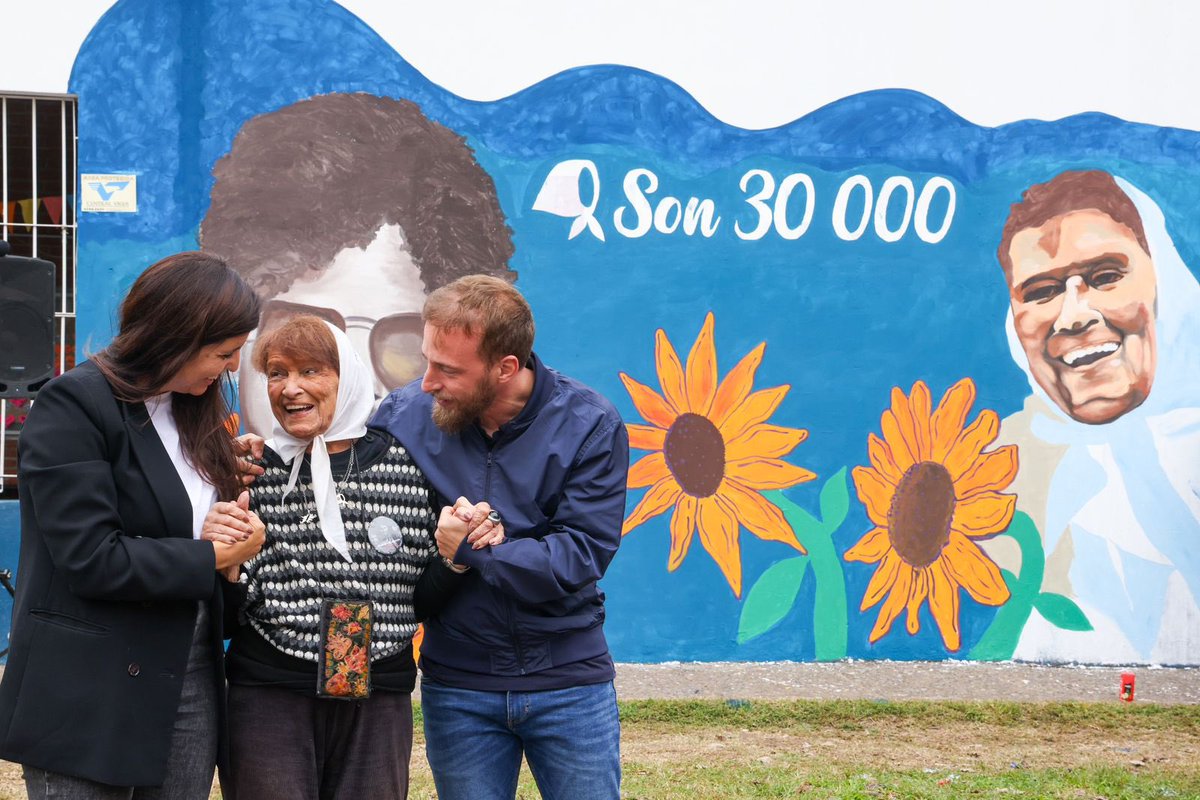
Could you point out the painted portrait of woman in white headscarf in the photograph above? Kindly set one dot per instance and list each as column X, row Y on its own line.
column 352, row 208
column 1104, row 320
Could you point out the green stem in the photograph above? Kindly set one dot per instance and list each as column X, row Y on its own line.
column 999, row 641
column 830, row 621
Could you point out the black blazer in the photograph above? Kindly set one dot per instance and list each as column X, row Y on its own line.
column 107, row 585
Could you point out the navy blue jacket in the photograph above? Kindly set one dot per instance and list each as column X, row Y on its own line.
column 556, row 474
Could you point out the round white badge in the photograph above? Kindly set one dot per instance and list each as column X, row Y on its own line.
column 385, row 535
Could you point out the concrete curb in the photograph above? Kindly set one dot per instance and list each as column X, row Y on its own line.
column 903, row 680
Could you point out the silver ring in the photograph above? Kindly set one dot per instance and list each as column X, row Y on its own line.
column 494, row 517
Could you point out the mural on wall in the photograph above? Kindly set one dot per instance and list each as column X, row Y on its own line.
column 898, row 386
column 1105, row 323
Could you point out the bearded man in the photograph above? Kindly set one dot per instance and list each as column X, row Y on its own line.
column 516, row 663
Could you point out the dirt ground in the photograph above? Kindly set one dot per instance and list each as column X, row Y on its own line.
column 899, row 744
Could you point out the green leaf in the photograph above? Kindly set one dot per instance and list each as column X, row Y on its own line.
column 771, row 598
column 1061, row 612
column 835, row 501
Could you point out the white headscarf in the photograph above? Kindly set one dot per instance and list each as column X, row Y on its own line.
column 1128, row 489
column 355, row 397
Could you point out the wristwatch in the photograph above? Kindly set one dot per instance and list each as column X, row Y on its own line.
column 450, row 565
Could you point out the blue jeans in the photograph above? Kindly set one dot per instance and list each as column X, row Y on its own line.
column 570, row 737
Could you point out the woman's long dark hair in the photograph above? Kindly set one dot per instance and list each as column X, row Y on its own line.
column 176, row 307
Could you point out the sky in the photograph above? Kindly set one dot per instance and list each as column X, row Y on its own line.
column 761, row 64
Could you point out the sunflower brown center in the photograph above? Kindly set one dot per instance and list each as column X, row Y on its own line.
column 919, row 519
column 695, row 454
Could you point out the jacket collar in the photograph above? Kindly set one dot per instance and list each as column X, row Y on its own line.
column 543, row 387
column 160, row 472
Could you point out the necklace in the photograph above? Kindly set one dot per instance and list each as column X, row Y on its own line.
column 339, row 488
column 341, row 485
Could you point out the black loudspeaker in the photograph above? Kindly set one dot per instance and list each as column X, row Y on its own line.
column 26, row 323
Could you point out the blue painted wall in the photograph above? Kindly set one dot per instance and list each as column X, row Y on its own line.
column 165, row 86
column 10, row 529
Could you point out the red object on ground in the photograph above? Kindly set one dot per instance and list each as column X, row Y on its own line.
column 1127, row 681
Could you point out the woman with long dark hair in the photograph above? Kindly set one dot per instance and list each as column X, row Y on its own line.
column 114, row 686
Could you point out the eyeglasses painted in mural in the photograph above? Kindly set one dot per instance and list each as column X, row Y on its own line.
column 394, row 341
column 933, row 492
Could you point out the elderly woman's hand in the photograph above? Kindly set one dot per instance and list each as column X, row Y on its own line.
column 228, row 523
column 452, row 528
column 231, row 555
column 483, row 524
column 249, row 448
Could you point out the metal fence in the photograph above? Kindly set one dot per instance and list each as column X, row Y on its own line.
column 38, row 176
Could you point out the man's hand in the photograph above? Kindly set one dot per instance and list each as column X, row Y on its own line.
column 484, row 528
column 249, row 446
column 475, row 522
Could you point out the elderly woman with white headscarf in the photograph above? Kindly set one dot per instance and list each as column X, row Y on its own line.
column 321, row 666
column 1105, row 322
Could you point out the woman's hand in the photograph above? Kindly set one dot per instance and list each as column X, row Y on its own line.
column 240, row 551
column 228, row 522
column 451, row 530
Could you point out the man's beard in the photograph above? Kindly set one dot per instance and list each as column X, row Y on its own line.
column 457, row 417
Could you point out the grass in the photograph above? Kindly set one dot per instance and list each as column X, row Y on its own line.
column 701, row 783
column 851, row 713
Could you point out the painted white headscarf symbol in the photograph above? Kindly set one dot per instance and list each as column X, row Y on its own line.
column 560, row 195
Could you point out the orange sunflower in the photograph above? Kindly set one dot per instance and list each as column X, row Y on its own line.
column 931, row 490
column 712, row 453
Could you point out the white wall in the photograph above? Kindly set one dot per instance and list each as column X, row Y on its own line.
column 764, row 63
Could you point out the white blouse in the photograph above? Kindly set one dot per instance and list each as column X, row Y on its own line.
column 199, row 491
